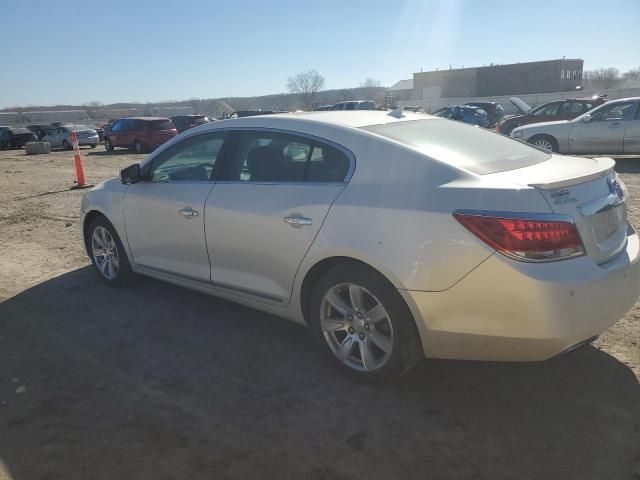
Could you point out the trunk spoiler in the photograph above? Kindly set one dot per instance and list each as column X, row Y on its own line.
column 605, row 164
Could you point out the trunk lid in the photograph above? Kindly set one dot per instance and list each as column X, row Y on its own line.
column 589, row 191
column 520, row 105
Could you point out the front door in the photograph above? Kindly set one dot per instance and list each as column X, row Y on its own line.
column 262, row 216
column 604, row 133
column 164, row 214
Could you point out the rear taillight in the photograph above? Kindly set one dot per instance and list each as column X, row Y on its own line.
column 525, row 236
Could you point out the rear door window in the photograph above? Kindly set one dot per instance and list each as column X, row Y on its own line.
column 155, row 125
column 276, row 157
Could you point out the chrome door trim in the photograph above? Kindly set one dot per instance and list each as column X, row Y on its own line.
column 248, row 291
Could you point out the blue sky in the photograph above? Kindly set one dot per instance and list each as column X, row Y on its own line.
column 77, row 51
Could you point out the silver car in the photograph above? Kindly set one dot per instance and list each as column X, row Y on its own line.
column 393, row 236
column 611, row 128
column 61, row 137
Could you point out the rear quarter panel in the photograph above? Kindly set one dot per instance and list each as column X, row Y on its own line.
column 396, row 215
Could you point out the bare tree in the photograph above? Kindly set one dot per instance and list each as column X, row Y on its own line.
column 633, row 74
column 371, row 83
column 306, row 85
column 603, row 78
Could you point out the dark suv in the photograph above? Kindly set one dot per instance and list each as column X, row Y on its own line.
column 559, row 110
column 143, row 134
column 185, row 122
column 16, row 137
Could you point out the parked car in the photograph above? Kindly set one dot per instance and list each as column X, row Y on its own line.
column 140, row 133
column 549, row 112
column 15, row 137
column 99, row 131
column 185, row 122
column 322, row 108
column 41, row 129
column 4, row 127
column 465, row 113
column 493, row 109
column 60, row 137
column 299, row 215
column 355, row 105
column 612, row 128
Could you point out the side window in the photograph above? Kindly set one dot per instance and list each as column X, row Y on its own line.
column 565, row 108
column 582, row 107
column 192, row 159
column 549, row 110
column 638, row 112
column 351, row 106
column 613, row 111
column 278, row 157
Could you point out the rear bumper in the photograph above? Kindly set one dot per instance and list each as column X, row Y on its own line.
column 516, row 311
column 93, row 140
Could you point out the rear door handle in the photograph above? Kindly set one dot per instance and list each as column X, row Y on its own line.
column 189, row 212
column 298, row 221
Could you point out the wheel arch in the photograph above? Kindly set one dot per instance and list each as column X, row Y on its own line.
column 322, row 266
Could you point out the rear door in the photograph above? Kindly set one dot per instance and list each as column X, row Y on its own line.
column 267, row 208
column 164, row 215
column 632, row 133
column 605, row 132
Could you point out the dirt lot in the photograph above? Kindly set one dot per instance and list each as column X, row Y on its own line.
column 157, row 382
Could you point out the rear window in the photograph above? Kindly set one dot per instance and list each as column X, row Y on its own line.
column 159, row 125
column 475, row 149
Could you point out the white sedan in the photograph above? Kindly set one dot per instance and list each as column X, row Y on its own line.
column 61, row 137
column 393, row 236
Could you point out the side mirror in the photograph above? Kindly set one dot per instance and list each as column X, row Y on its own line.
column 587, row 118
column 131, row 174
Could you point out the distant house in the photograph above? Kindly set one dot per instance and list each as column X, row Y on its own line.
column 400, row 91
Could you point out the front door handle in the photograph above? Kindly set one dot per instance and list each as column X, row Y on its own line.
column 189, row 212
column 298, row 221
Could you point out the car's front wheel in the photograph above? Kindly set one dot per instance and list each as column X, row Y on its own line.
column 545, row 142
column 66, row 145
column 363, row 324
column 108, row 146
column 107, row 253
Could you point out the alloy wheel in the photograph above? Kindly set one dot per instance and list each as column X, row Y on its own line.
column 356, row 326
column 543, row 143
column 105, row 253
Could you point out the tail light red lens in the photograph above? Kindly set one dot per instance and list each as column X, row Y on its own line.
column 534, row 239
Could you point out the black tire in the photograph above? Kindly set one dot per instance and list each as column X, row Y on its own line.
column 108, row 146
column 406, row 346
column 137, row 146
column 66, row 145
column 537, row 140
column 93, row 145
column 124, row 274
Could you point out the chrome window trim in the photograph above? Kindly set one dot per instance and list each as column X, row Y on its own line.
column 227, row 129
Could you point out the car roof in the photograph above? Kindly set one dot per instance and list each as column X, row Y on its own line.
column 351, row 118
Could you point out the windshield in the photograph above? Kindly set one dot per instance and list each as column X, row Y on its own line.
column 474, row 149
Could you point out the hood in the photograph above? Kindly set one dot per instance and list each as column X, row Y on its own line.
column 520, row 105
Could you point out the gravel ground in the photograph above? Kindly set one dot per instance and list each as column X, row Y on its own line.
column 158, row 382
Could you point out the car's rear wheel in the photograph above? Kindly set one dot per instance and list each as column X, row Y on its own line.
column 545, row 142
column 66, row 145
column 107, row 253
column 93, row 145
column 108, row 146
column 363, row 324
column 137, row 146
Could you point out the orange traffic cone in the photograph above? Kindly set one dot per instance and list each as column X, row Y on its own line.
column 80, row 180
